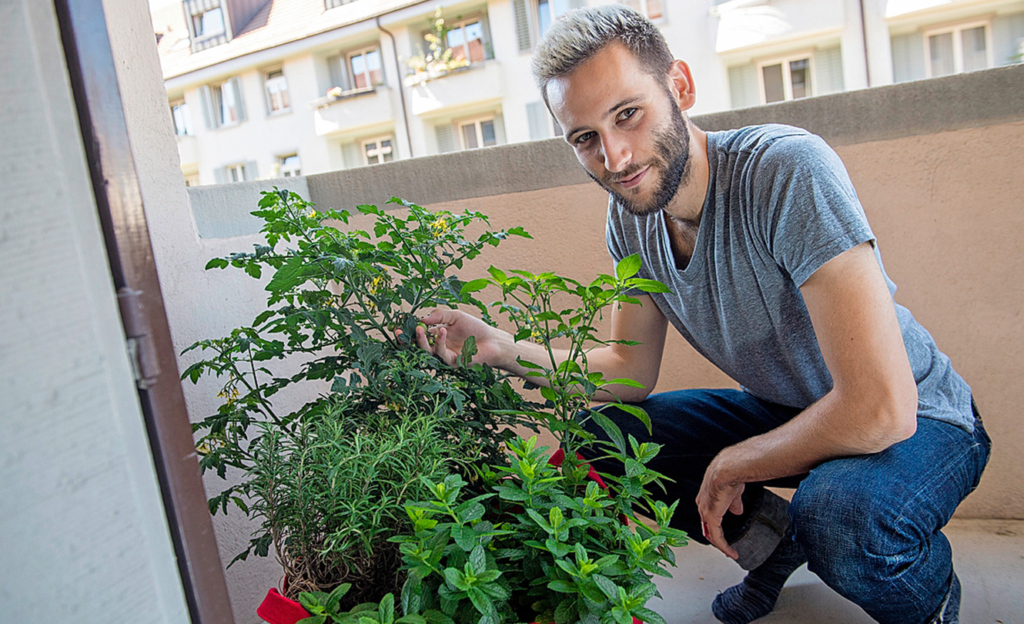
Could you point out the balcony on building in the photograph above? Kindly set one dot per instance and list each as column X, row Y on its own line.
column 464, row 86
column 344, row 111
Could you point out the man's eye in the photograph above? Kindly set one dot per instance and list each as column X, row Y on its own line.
column 583, row 138
column 627, row 113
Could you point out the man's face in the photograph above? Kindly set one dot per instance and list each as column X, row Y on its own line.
column 626, row 129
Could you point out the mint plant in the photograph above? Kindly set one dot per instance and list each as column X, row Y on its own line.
column 547, row 543
column 325, row 482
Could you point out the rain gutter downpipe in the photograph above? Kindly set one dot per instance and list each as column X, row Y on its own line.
column 864, row 39
column 401, row 90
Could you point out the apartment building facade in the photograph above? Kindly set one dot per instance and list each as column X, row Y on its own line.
column 279, row 88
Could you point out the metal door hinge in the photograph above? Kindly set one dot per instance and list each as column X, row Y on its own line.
column 141, row 352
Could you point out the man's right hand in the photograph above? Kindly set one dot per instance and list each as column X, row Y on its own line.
column 451, row 328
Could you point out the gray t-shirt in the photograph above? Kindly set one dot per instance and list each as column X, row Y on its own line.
column 780, row 204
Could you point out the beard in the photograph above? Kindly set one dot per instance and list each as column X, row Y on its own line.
column 671, row 157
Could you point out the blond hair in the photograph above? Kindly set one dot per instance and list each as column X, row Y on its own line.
column 582, row 33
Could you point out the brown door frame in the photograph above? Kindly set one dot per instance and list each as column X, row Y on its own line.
column 115, row 183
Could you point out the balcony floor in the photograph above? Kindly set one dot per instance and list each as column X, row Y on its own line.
column 989, row 558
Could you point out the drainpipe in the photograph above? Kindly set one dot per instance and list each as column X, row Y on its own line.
column 401, row 91
column 864, row 38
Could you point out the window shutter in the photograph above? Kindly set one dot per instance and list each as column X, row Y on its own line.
column 828, row 71
column 352, row 155
column 445, row 139
column 333, row 72
column 250, row 171
column 743, row 86
column 908, row 57
column 488, row 45
column 220, row 176
column 236, row 84
column 209, row 112
column 499, row 129
column 537, row 117
column 520, row 8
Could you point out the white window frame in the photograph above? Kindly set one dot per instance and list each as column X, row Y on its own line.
column 958, row 44
column 787, row 78
column 379, row 151
column 217, row 91
column 535, row 16
column 286, row 98
column 646, row 13
column 479, row 19
column 188, row 129
column 288, row 172
column 476, row 121
column 370, row 84
column 197, row 20
column 191, row 178
column 234, row 172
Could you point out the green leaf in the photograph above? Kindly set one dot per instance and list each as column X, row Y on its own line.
column 638, row 412
column 607, row 586
column 611, row 429
column 647, row 616
column 253, row 270
column 627, row 267
column 474, row 286
column 288, row 276
column 649, row 285
column 387, row 608
column 498, row 275
column 217, row 263
column 564, row 587
column 622, row 381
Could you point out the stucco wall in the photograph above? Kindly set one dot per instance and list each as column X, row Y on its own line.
column 83, row 533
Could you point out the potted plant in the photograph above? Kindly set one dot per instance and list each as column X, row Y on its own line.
column 325, row 482
column 548, row 541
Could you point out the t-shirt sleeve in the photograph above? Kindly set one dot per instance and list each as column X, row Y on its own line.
column 805, row 205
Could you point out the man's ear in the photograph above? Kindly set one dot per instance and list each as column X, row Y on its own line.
column 681, row 86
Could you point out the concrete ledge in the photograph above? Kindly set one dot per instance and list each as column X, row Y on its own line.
column 449, row 177
column 931, row 106
column 222, row 210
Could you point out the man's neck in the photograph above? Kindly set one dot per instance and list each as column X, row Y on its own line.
column 688, row 204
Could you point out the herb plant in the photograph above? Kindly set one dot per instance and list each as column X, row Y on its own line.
column 325, row 482
column 548, row 543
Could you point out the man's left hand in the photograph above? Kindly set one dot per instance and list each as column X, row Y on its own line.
column 718, row 495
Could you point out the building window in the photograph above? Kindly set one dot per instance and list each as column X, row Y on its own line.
column 785, row 79
column 548, row 11
column 235, row 173
column 365, row 68
column 289, row 166
column 466, row 41
column 277, row 91
column 959, row 49
column 651, row 8
column 378, row 150
column 208, row 23
column 222, row 103
column 477, row 133
column 192, row 179
column 182, row 120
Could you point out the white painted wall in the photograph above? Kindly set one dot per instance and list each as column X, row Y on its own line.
column 82, row 526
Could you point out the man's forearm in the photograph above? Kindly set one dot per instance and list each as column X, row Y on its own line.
column 831, row 427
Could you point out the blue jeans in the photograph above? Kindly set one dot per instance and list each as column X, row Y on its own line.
column 870, row 525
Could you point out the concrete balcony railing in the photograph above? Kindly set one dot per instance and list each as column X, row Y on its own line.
column 475, row 83
column 188, row 152
column 352, row 110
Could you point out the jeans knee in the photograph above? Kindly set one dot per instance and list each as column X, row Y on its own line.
column 853, row 540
